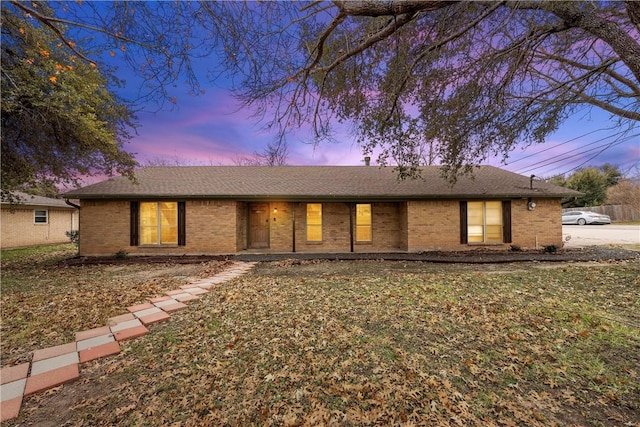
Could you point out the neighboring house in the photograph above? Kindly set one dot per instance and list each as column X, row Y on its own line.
column 36, row 220
column 229, row 209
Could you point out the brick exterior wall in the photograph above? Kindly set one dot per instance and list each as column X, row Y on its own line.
column 386, row 228
column 335, row 229
column 210, row 229
column 242, row 221
column 104, row 227
column 435, row 225
column 539, row 227
column 221, row 227
column 19, row 229
column 281, row 226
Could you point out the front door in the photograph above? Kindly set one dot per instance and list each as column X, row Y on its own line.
column 259, row 225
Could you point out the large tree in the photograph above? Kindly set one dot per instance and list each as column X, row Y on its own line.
column 593, row 182
column 445, row 81
column 59, row 120
column 625, row 192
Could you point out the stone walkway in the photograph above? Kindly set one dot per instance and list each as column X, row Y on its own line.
column 57, row 365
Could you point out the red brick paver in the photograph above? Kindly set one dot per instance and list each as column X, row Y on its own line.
column 49, row 379
column 48, row 353
column 13, row 373
column 57, row 365
column 170, row 305
column 92, row 333
column 10, row 409
column 103, row 350
column 139, row 307
column 119, row 319
column 127, row 334
column 153, row 318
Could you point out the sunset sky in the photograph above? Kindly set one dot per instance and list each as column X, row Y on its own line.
column 210, row 129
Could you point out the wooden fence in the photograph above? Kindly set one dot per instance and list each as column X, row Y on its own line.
column 618, row 213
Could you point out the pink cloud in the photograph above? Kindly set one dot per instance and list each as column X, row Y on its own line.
column 211, row 129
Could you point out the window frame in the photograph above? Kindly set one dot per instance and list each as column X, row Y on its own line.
column 505, row 223
column 135, row 226
column 36, row 216
column 359, row 225
column 160, row 228
column 485, row 223
column 318, row 225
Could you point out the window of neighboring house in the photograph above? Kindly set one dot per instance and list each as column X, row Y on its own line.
column 158, row 223
column 484, row 222
column 363, row 223
column 314, row 222
column 41, row 217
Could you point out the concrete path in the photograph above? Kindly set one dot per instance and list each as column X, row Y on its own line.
column 57, row 365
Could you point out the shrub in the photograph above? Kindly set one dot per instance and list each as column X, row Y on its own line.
column 550, row 249
column 121, row 254
column 74, row 236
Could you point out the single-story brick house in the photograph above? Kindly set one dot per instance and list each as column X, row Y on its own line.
column 229, row 209
column 36, row 220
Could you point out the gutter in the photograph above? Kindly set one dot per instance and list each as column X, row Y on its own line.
column 72, row 204
column 329, row 197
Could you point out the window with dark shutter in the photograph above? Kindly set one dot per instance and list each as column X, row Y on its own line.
column 506, row 221
column 158, row 223
column 464, row 239
column 134, row 220
column 182, row 224
column 485, row 222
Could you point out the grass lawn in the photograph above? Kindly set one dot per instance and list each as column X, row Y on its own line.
column 44, row 302
column 353, row 343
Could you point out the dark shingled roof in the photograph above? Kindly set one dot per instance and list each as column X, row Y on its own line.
column 314, row 183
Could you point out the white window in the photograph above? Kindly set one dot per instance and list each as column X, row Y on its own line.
column 41, row 217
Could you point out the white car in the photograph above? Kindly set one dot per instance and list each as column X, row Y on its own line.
column 584, row 217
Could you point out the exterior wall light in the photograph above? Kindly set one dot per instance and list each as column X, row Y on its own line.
column 531, row 205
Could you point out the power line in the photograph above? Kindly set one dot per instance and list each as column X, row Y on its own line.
column 601, row 148
column 600, row 152
column 560, row 157
column 554, row 146
column 568, row 155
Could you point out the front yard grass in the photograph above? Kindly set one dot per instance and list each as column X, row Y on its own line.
column 45, row 302
column 374, row 343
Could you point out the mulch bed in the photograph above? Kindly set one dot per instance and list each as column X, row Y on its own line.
column 479, row 256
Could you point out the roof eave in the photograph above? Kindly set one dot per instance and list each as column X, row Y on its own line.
column 326, row 197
